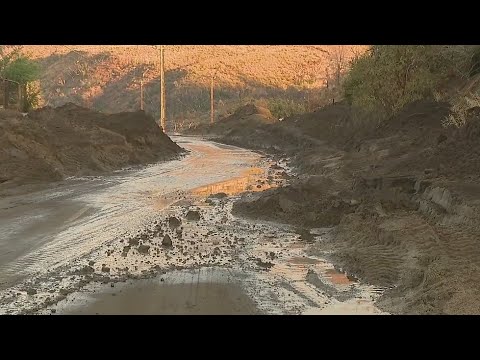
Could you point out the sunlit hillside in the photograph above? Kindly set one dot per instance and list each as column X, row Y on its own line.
column 108, row 78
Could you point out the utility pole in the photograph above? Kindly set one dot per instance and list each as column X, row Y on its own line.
column 141, row 94
column 212, row 110
column 162, row 88
column 212, row 114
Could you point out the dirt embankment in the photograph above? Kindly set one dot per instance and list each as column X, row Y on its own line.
column 403, row 200
column 50, row 144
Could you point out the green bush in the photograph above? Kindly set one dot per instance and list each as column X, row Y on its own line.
column 387, row 77
column 18, row 67
column 281, row 108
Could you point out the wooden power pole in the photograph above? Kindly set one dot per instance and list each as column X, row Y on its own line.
column 212, row 110
column 212, row 113
column 141, row 94
column 162, row 88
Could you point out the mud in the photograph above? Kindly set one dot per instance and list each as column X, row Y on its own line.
column 401, row 206
column 208, row 291
column 73, row 271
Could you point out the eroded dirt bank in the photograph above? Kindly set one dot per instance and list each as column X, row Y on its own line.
column 51, row 144
column 402, row 200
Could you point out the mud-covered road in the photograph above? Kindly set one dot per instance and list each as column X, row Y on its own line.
column 155, row 241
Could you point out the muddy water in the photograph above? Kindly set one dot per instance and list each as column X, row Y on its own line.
column 206, row 291
column 51, row 227
column 109, row 245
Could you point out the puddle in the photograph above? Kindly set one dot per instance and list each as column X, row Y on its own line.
column 303, row 260
column 252, row 179
column 337, row 277
column 205, row 291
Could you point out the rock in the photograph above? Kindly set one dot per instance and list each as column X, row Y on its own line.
column 220, row 195
column 167, row 241
column 91, row 263
column 193, row 215
column 143, row 249
column 264, row 264
column 105, row 269
column 133, row 242
column 64, row 292
column 112, row 285
column 216, row 251
column 305, row 235
column 173, row 222
column 125, row 251
column 86, row 270
column 53, row 311
column 31, row 291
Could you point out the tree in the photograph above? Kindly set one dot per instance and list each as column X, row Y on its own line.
column 18, row 67
column 21, row 70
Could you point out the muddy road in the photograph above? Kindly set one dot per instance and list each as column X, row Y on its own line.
column 162, row 240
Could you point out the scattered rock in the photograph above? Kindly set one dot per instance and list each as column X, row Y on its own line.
column 264, row 264
column 167, row 241
column 31, row 291
column 133, row 242
column 193, row 215
column 125, row 251
column 305, row 235
column 143, row 249
column 86, row 270
column 173, row 222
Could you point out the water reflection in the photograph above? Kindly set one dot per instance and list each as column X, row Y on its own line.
column 253, row 179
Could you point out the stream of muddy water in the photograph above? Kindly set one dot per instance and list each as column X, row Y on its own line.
column 163, row 240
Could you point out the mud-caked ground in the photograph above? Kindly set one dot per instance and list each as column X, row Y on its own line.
column 401, row 199
column 196, row 257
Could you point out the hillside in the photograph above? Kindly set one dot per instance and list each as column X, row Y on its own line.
column 107, row 78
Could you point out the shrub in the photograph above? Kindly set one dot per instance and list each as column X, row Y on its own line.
column 387, row 77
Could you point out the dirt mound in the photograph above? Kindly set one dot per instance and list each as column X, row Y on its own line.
column 314, row 202
column 249, row 115
column 251, row 111
column 326, row 123
column 416, row 117
column 52, row 143
column 403, row 197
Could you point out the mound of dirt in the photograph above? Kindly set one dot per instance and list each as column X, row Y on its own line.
column 403, row 197
column 53, row 143
column 251, row 111
column 314, row 202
